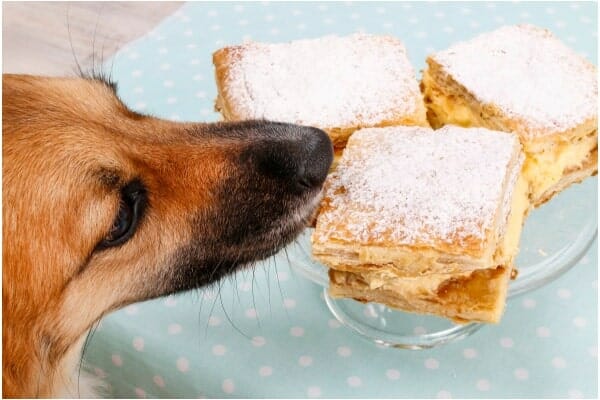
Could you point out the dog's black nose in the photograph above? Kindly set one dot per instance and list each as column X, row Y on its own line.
column 297, row 155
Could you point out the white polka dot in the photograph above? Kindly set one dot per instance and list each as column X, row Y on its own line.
column 483, row 385
column 238, row 8
column 392, row 374
column 448, row 29
column 344, row 351
column 214, row 321
column 274, row 31
column 219, row 350
column 444, row 394
column 388, row 25
column 171, row 100
column 470, row 353
column 313, row 391
column 265, row 371
column 140, row 105
column 499, row 19
column 163, row 50
column 289, row 303
column 209, row 295
column 322, row 7
column 132, row 309
column 138, row 343
column 136, row 73
column 205, row 111
column 134, row 56
column 301, row 26
column 175, row 117
column 439, row 14
column 170, row 301
column 215, row 27
column 195, row 61
column 354, row 381
column 521, row 374
column 563, row 293
column 251, row 313
column 529, row 303
column 593, row 351
column 524, row 15
column 183, row 364
column 258, row 341
column 228, row 386
column 297, row 331
column 100, row 373
column 116, row 360
column 559, row 362
column 474, row 24
column 550, row 10
column 140, row 392
column 580, row 322
column 380, row 10
column 413, row 20
column 421, row 34
column 419, row 330
column 354, row 15
column 506, row 342
column 543, row 331
column 282, row 276
column 188, row 32
column 560, row 24
column 432, row 363
column 333, row 323
column 168, row 83
column 305, row 361
column 158, row 381
column 575, row 394
column 212, row 13
column 165, row 66
column 138, row 89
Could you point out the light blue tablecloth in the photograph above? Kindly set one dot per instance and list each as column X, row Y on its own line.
column 269, row 333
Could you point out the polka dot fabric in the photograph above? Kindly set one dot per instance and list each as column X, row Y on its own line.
column 267, row 332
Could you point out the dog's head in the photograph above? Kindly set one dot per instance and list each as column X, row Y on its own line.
column 104, row 206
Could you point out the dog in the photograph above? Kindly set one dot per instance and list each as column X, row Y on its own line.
column 104, row 206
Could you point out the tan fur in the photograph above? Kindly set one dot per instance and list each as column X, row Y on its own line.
column 57, row 133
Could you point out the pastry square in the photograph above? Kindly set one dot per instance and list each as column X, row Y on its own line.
column 425, row 221
column 338, row 84
column 522, row 79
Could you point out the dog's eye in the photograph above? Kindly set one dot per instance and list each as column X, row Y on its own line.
column 122, row 223
column 130, row 209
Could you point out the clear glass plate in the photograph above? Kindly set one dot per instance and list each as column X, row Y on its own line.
column 554, row 239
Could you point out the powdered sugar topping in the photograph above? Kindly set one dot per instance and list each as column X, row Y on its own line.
column 327, row 82
column 413, row 185
column 529, row 74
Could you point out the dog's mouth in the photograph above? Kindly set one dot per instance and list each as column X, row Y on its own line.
column 200, row 263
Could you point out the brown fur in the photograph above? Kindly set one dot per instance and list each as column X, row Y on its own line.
column 68, row 146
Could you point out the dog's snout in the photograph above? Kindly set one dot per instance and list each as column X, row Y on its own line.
column 302, row 157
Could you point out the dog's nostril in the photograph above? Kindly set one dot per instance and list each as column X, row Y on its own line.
column 318, row 158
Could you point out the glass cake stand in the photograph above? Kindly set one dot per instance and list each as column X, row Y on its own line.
column 554, row 239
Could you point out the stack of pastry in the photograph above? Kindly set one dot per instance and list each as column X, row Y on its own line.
column 338, row 84
column 522, row 79
column 424, row 221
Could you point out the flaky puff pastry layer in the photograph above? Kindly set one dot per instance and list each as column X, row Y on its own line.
column 410, row 210
column 338, row 84
column 522, row 79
